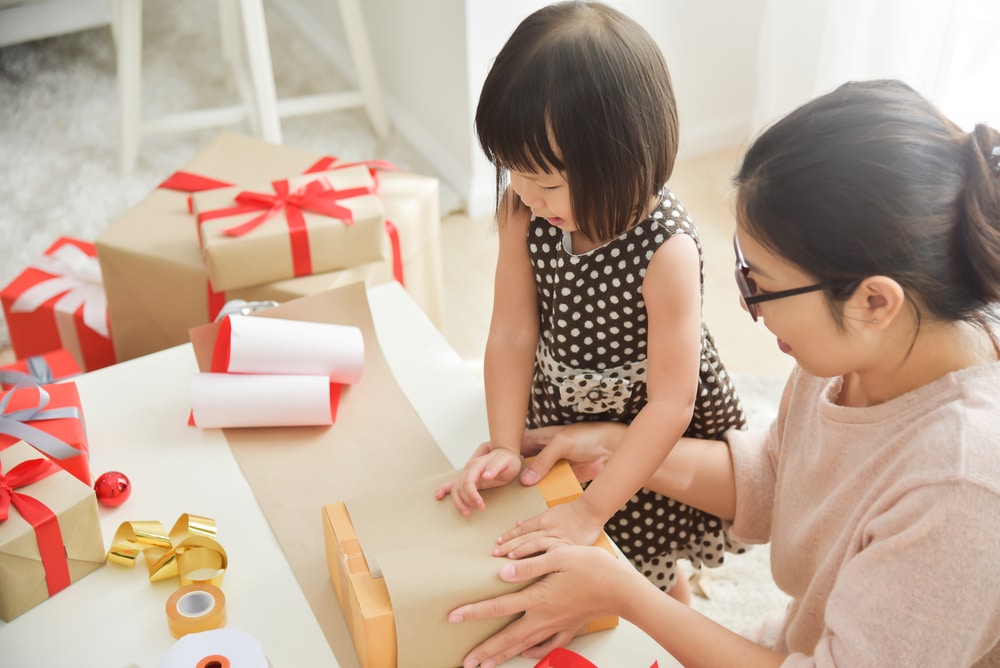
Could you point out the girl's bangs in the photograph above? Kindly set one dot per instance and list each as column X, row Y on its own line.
column 518, row 138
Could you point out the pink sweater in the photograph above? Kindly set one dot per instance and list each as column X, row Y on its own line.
column 884, row 522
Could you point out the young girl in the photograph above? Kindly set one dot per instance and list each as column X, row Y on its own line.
column 868, row 241
column 597, row 310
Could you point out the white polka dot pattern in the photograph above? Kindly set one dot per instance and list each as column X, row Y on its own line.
column 591, row 365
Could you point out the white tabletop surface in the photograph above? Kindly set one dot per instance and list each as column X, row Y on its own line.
column 136, row 415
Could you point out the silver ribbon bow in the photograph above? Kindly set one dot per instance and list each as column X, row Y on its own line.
column 12, row 423
column 39, row 373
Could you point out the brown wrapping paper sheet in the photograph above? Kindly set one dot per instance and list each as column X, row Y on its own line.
column 433, row 559
column 377, row 444
column 409, row 516
column 151, row 262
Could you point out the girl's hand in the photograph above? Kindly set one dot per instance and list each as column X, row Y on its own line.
column 554, row 607
column 568, row 522
column 485, row 469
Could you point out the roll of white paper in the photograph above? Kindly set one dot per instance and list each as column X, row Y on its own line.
column 292, row 347
column 222, row 400
column 225, row 648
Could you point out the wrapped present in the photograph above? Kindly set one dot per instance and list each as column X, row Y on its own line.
column 305, row 225
column 39, row 369
column 59, row 302
column 398, row 575
column 154, row 275
column 40, row 557
column 49, row 418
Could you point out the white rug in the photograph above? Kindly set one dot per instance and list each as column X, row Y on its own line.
column 58, row 120
column 58, row 123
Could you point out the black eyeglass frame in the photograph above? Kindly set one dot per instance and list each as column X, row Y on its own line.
column 747, row 292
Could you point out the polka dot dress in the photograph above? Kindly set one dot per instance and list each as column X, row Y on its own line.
column 591, row 365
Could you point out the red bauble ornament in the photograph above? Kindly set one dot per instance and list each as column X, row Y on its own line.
column 112, row 488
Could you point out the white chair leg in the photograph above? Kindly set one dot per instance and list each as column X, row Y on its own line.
column 127, row 31
column 261, row 73
column 364, row 65
column 233, row 51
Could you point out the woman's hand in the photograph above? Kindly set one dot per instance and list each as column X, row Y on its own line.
column 485, row 469
column 586, row 445
column 555, row 607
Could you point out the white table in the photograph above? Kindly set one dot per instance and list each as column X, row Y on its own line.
column 137, row 412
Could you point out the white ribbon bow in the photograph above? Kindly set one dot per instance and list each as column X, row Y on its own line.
column 594, row 393
column 76, row 276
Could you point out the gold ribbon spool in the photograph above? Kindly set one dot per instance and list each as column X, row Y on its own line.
column 189, row 552
column 195, row 608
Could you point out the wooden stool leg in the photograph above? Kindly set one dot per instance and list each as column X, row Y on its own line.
column 364, row 65
column 127, row 31
column 258, row 53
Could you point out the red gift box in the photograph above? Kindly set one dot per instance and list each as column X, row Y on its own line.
column 39, row 369
column 50, row 419
column 59, row 302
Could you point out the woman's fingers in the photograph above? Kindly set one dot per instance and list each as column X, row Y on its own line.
column 528, row 545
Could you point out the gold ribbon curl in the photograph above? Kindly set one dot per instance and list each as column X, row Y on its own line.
column 189, row 552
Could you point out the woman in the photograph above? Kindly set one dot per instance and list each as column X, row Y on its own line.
column 868, row 240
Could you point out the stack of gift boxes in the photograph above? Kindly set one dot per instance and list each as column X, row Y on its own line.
column 242, row 220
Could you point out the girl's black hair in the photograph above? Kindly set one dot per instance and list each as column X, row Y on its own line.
column 587, row 81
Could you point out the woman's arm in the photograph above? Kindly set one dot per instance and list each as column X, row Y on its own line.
column 697, row 472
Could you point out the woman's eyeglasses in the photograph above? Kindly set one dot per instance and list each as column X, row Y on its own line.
column 748, row 287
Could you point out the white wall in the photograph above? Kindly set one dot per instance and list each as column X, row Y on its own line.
column 432, row 56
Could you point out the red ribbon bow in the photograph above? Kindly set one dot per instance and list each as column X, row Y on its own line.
column 315, row 196
column 39, row 516
column 191, row 183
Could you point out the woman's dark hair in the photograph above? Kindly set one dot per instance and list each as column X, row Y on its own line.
column 871, row 179
column 588, row 81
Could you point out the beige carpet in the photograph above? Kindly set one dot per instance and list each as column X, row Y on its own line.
column 60, row 178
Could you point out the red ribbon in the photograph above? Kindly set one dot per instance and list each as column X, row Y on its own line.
column 191, row 183
column 39, row 516
column 315, row 197
column 374, row 167
column 561, row 657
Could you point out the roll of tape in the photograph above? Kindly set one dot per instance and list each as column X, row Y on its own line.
column 196, row 607
column 219, row 648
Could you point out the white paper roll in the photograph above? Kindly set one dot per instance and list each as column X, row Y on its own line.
column 294, row 347
column 222, row 400
column 221, row 648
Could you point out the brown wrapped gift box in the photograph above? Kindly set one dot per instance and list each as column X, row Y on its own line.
column 22, row 576
column 365, row 600
column 155, row 279
column 272, row 251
